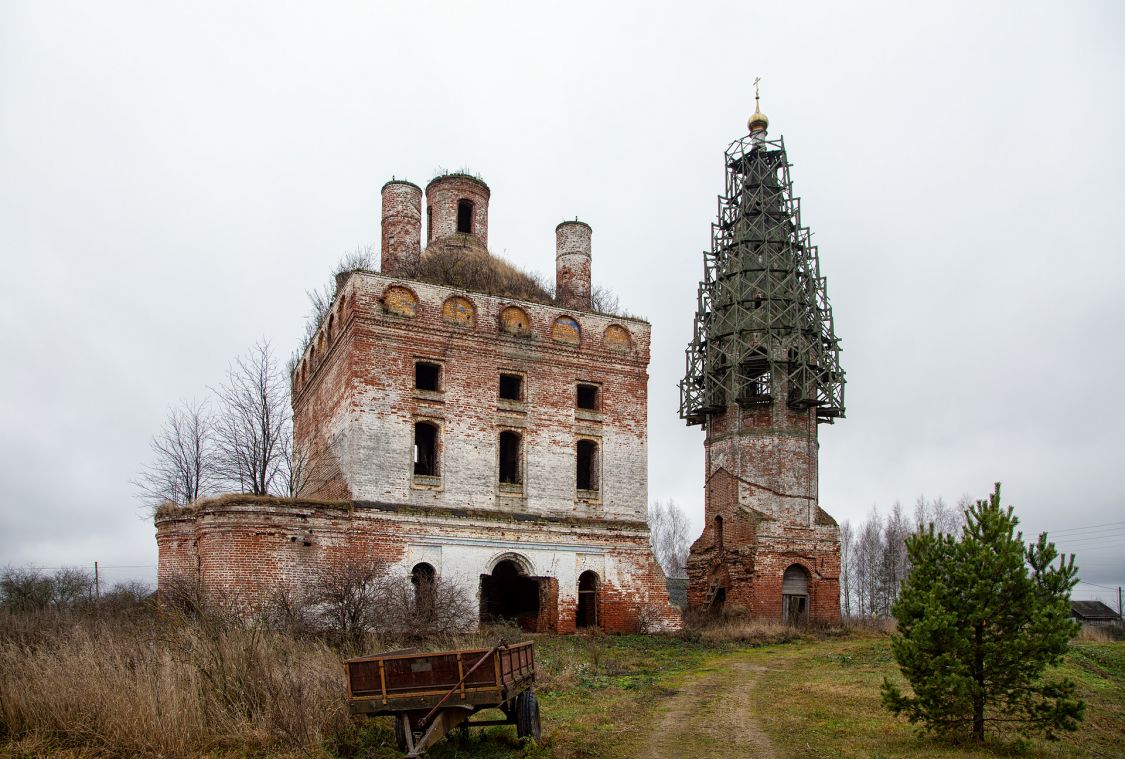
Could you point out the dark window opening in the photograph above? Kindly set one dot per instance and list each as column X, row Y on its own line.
column 427, row 376
column 425, row 449
column 718, row 599
column 588, row 396
column 422, row 577
column 718, row 531
column 756, row 376
column 511, row 387
column 587, row 615
column 429, row 223
column 757, row 300
column 465, row 217
column 510, row 457
column 587, row 465
column 507, row 593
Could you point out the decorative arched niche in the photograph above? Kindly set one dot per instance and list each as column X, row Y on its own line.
column 566, row 329
column 458, row 310
column 400, row 302
column 617, row 338
column 515, row 321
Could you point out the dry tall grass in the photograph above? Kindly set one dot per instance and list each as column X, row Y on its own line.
column 178, row 686
column 173, row 688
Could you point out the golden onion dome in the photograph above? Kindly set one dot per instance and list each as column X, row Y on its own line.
column 758, row 122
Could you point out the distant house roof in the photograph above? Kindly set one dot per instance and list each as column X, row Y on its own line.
column 1092, row 611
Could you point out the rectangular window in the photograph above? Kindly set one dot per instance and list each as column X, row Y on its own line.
column 511, row 387
column 426, row 449
column 510, row 458
column 587, row 469
column 588, row 396
column 427, row 376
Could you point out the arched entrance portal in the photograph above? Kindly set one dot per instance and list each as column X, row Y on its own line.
column 587, row 615
column 795, row 595
column 508, row 593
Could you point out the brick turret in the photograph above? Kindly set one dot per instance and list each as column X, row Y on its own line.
column 402, row 227
column 456, row 205
column 572, row 264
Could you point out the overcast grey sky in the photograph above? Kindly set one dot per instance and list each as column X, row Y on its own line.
column 173, row 177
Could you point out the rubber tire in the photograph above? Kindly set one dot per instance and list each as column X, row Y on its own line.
column 527, row 715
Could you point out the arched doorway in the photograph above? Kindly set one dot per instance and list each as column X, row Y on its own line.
column 795, row 595
column 587, row 615
column 508, row 593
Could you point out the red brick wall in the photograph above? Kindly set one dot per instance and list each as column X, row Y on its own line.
column 762, row 481
column 248, row 548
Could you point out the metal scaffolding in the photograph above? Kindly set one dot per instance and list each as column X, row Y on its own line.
column 763, row 324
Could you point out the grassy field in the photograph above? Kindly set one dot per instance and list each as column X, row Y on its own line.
column 601, row 696
column 605, row 697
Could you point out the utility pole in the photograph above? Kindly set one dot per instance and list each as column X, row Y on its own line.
column 1119, row 617
column 97, row 584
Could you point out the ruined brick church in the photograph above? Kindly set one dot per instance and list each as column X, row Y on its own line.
column 468, row 425
column 763, row 372
column 481, row 434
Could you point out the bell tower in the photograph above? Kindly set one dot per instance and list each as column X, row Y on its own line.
column 763, row 372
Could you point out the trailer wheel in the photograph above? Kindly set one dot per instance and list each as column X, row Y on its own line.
column 400, row 734
column 527, row 715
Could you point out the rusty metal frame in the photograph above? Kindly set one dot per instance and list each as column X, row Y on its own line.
column 764, row 330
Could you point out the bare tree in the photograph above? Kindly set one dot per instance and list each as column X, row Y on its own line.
column 416, row 611
column 604, row 301
column 252, row 427
column 183, row 465
column 868, row 560
column 669, row 531
column 847, row 557
column 306, row 468
column 349, row 596
column 895, row 563
column 947, row 520
column 26, row 589
column 320, row 300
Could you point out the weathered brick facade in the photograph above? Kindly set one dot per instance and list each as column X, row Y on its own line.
column 457, row 429
column 763, row 518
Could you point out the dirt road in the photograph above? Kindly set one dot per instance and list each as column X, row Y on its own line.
column 708, row 715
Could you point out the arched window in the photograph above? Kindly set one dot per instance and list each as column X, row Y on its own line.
column 465, row 217
column 755, row 370
column 719, row 532
column 587, row 465
column 510, row 458
column 426, row 449
column 422, row 577
column 587, row 615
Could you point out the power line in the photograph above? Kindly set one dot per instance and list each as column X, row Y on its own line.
column 1088, row 527
column 1088, row 539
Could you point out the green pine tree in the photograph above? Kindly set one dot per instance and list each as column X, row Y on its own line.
column 980, row 619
